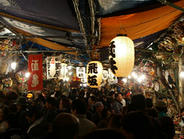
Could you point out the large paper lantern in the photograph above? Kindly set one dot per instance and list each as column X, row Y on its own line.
column 121, row 56
column 94, row 74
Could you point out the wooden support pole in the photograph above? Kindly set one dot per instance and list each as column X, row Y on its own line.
column 181, row 95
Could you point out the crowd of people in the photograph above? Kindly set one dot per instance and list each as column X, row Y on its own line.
column 83, row 114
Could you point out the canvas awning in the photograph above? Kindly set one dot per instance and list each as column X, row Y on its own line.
column 138, row 25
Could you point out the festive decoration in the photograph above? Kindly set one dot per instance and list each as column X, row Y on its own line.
column 9, row 45
column 63, row 71
column 80, row 72
column 29, row 95
column 7, row 82
column 53, row 67
column 35, row 81
column 94, row 74
column 111, row 78
column 105, row 74
column 121, row 56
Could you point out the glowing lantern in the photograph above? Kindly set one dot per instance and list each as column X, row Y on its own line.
column 29, row 95
column 121, row 56
column 94, row 74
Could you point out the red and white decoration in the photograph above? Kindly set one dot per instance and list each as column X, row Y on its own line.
column 35, row 81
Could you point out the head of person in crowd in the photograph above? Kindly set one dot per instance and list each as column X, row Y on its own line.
column 138, row 102
column 115, row 121
column 119, row 97
column 81, row 93
column 3, row 119
column 51, row 103
column 64, row 104
column 91, row 100
column 149, row 103
column 11, row 96
column 167, row 127
column 112, row 94
column 21, row 103
column 32, row 113
column 79, row 107
column 161, row 108
column 2, row 114
column 40, row 100
column 65, row 126
column 99, row 106
column 105, row 133
column 150, row 110
column 140, row 125
column 44, row 93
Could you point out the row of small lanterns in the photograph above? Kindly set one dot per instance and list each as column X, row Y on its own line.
column 121, row 60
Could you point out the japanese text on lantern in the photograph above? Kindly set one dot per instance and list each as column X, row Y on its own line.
column 92, row 79
column 112, row 56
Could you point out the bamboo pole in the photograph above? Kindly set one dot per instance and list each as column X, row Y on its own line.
column 181, row 95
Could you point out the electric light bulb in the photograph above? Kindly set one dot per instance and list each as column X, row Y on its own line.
column 27, row 74
column 13, row 65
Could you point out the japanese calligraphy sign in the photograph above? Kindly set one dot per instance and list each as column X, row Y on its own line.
column 53, row 67
column 80, row 72
column 35, row 81
column 121, row 56
column 63, row 71
column 94, row 74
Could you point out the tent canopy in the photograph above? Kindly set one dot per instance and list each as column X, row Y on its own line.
column 73, row 25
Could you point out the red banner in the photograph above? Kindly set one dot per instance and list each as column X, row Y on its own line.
column 35, row 81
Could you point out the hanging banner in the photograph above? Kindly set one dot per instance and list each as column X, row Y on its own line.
column 80, row 72
column 63, row 71
column 35, row 81
column 84, row 80
column 53, row 67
